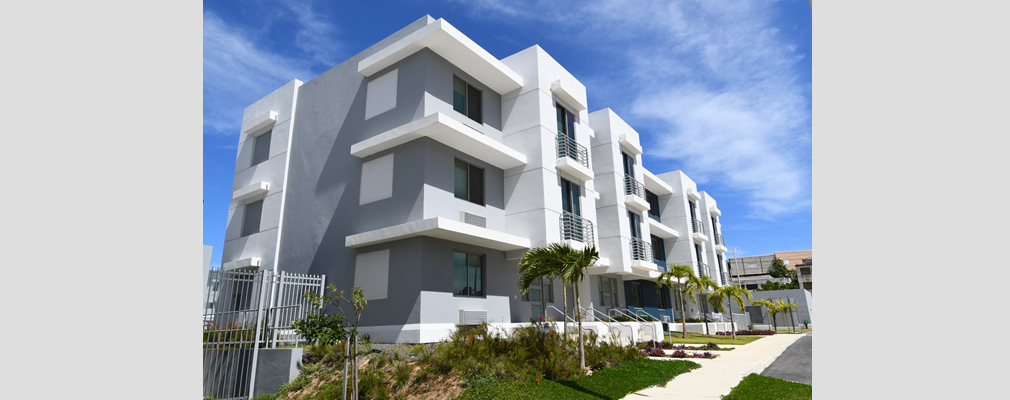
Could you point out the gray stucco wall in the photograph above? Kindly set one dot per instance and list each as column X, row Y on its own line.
column 324, row 183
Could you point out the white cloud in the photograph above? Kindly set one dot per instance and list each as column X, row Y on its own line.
column 711, row 83
column 237, row 72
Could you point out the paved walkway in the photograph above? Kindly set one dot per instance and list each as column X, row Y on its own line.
column 718, row 376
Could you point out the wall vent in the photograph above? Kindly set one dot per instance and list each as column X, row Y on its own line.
column 473, row 219
column 472, row 317
column 665, row 318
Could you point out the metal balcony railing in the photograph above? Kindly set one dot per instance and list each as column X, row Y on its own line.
column 568, row 147
column 633, row 186
column 725, row 277
column 698, row 226
column 703, row 269
column 718, row 239
column 641, row 250
column 574, row 227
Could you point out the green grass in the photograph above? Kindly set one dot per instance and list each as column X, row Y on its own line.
column 757, row 387
column 610, row 383
column 697, row 338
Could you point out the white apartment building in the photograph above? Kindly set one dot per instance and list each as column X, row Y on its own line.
column 423, row 168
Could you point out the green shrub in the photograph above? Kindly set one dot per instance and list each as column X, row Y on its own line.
column 321, row 328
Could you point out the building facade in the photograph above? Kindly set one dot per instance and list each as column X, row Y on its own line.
column 423, row 168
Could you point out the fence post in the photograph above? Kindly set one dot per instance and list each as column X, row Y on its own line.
column 256, row 341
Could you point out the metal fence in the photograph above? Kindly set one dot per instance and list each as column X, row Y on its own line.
column 574, row 227
column 568, row 147
column 247, row 311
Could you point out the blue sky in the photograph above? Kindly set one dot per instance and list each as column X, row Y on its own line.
column 720, row 90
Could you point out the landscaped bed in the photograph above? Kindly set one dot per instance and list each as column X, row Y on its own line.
column 757, row 387
column 533, row 362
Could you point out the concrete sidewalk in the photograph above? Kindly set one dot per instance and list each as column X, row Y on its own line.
column 718, row 376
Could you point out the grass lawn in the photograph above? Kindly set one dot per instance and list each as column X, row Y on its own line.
column 609, row 383
column 697, row 338
column 757, row 387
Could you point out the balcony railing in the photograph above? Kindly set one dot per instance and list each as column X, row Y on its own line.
column 641, row 250
column 718, row 240
column 574, row 227
column 698, row 226
column 703, row 269
column 633, row 186
column 568, row 147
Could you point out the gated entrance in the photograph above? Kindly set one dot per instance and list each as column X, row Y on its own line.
column 247, row 311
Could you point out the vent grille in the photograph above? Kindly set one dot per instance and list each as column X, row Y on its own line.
column 472, row 317
column 473, row 219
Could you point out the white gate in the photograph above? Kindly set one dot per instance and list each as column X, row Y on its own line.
column 247, row 311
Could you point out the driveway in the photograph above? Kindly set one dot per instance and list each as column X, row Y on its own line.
column 795, row 364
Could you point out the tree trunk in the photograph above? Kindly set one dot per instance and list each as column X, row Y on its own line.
column 564, row 320
column 582, row 354
column 732, row 325
column 683, row 311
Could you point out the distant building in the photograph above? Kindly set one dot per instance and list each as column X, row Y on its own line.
column 804, row 274
column 752, row 271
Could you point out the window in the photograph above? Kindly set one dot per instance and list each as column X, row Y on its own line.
column 608, row 292
column 653, row 200
column 715, row 227
column 541, row 289
column 659, row 252
column 697, row 252
column 467, row 274
column 570, row 197
column 251, row 219
column 469, row 182
column 261, row 148
column 636, row 225
column 694, row 218
column 663, row 297
column 467, row 100
column 636, row 295
column 566, row 121
column 629, row 164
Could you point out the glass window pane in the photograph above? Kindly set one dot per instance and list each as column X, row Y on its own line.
column 535, row 294
column 461, row 179
column 575, row 199
column 570, row 119
column 476, row 185
column 475, row 264
column 561, row 119
column 251, row 219
column 459, row 273
column 474, row 108
column 537, row 310
column 261, row 148
column 458, row 95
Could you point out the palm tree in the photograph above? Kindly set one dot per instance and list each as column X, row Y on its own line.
column 771, row 307
column 699, row 284
column 561, row 261
column 574, row 272
column 728, row 294
column 549, row 262
column 678, row 273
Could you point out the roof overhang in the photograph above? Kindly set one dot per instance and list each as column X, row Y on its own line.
column 663, row 231
column 454, row 46
column 654, row 184
column 448, row 131
column 441, row 228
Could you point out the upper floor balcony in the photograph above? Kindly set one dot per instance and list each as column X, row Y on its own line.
column 576, row 228
column 642, row 260
column 573, row 158
column 698, row 228
column 634, row 194
column 720, row 243
column 703, row 270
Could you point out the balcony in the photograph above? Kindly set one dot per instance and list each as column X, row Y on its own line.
column 448, row 131
column 576, row 228
column 573, row 158
column 440, row 228
column 720, row 243
column 641, row 250
column 698, row 229
column 703, row 269
column 657, row 228
column 634, row 194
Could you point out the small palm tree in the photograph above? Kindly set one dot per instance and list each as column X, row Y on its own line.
column 559, row 261
column 678, row 273
column 698, row 284
column 728, row 294
column 548, row 262
column 767, row 304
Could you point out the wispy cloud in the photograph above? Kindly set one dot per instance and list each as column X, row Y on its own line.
column 239, row 69
column 712, row 83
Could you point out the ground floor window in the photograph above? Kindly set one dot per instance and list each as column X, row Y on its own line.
column 467, row 274
column 662, row 296
column 608, row 292
column 636, row 295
